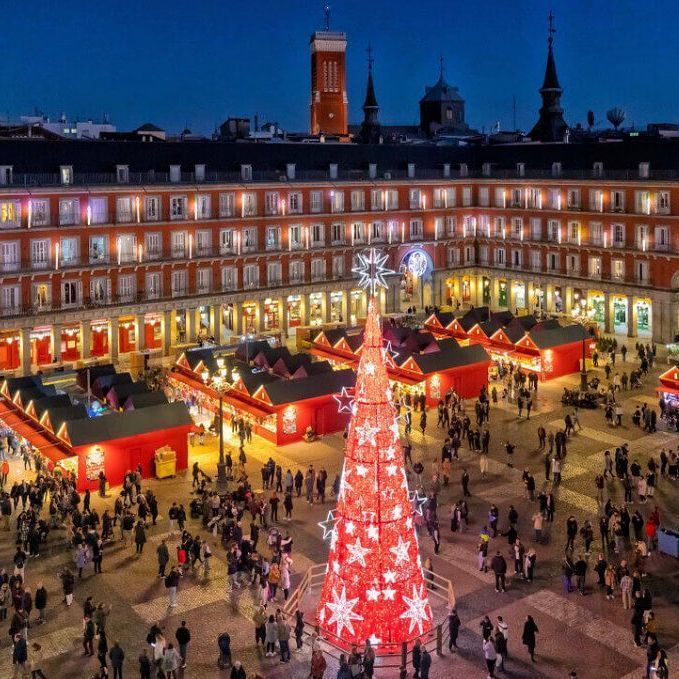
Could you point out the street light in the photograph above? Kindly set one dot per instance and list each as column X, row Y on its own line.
column 218, row 383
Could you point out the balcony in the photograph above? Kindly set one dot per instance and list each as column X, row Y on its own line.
column 203, row 251
column 203, row 289
column 662, row 247
column 536, row 267
column 153, row 253
column 273, row 246
column 249, row 248
column 181, row 291
column 39, row 265
column 127, row 297
column 594, row 275
column 618, row 276
column 71, row 261
column 178, row 252
column 229, row 286
column 10, row 266
column 274, row 281
column 318, row 277
column 10, row 310
column 251, row 285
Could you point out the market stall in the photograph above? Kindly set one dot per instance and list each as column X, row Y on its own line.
column 669, row 388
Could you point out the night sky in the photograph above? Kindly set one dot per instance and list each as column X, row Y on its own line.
column 179, row 63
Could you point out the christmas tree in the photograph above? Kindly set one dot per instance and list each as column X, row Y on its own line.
column 374, row 587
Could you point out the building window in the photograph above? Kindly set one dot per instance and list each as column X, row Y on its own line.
column 295, row 237
column 251, row 276
column 272, row 202
column 154, row 283
column 41, row 296
column 500, row 197
column 98, row 249
column 535, row 260
column 663, row 202
column 40, row 212
column 517, row 197
column 10, row 213
column 500, row 256
column 227, row 204
column 357, row 201
column 11, row 299
column 317, row 270
column 595, row 267
column 554, row 231
column 536, row 228
column 662, row 238
column 226, row 242
column 124, row 210
column 98, row 210
column 596, row 233
column 179, row 283
column 123, row 174
column 573, row 198
column 69, row 251
column 618, row 201
column 203, row 243
column 40, row 253
column 416, row 228
column 249, row 236
column 357, row 232
column 273, row 273
column 69, row 211
column 10, row 257
column 618, row 269
column 203, row 281
column 338, row 267
column 229, row 278
column 377, row 199
column 451, row 227
column 466, row 196
column 175, row 173
column 484, row 196
column 249, row 205
column 178, row 244
column 517, row 227
column 414, row 199
column 336, row 201
column 516, row 258
column 153, row 246
column 126, row 288
column 152, row 208
column 317, row 235
column 552, row 261
column 127, row 247
column 377, row 232
column 596, row 200
column 392, row 199
column 203, row 206
column 295, row 204
column 70, row 293
column 574, row 232
column 337, row 233
column 618, row 235
column 66, row 174
column 316, row 200
column 273, row 238
column 178, row 207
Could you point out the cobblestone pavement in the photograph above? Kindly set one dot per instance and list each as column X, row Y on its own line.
column 587, row 633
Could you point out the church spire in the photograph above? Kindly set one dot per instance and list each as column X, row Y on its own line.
column 551, row 126
column 370, row 127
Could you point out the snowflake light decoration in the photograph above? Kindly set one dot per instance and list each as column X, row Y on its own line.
column 371, row 270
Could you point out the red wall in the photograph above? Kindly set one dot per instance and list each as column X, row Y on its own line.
column 320, row 413
column 566, row 360
column 466, row 381
column 123, row 455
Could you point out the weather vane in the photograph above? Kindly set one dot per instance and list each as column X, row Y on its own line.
column 371, row 270
column 551, row 31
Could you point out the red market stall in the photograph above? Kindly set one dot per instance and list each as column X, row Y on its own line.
column 669, row 387
column 119, row 442
column 279, row 405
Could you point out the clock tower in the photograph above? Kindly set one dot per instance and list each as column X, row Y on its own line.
column 328, row 81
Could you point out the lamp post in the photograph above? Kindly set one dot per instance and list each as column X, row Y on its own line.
column 218, row 383
column 583, row 372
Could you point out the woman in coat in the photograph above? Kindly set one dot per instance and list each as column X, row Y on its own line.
column 318, row 664
column 81, row 559
column 271, row 636
column 171, row 662
column 139, row 536
column 530, row 629
column 41, row 602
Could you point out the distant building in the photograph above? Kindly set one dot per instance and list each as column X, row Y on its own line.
column 442, row 108
column 86, row 129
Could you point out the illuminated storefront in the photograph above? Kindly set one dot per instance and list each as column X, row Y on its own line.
column 485, row 287
column 558, row 300
column 336, row 302
column 642, row 311
column 271, row 314
column 466, row 289
column 519, row 290
column 127, row 338
column 502, row 293
column 70, row 343
column 153, row 331
column 41, row 346
column 294, row 303
column 596, row 307
column 620, row 320
column 355, row 305
column 99, row 331
column 203, row 321
column 538, row 297
column 315, row 308
column 9, row 350
column 250, row 317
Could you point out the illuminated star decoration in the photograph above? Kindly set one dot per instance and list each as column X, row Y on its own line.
column 342, row 611
column 371, row 270
column 389, row 354
column 345, row 401
column 417, row 610
column 357, row 552
column 366, row 433
column 418, row 501
column 400, row 552
column 329, row 527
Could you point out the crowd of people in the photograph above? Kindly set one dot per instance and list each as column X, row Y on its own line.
column 256, row 542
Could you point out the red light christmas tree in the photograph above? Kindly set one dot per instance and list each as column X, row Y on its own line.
column 374, row 587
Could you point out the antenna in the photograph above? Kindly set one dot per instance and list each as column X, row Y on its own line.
column 551, row 30
column 514, row 112
column 326, row 10
column 370, row 57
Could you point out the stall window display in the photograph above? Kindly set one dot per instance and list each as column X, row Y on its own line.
column 271, row 321
column 597, row 305
column 315, row 308
column 486, row 291
column 619, row 314
column 250, row 317
column 336, row 306
column 294, row 311
column 290, row 420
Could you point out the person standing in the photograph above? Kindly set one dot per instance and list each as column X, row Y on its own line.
column 117, row 656
column 369, row 661
column 453, row 629
column 20, row 656
column 163, row 554
column 425, row 663
column 88, row 636
column 41, row 602
column 417, row 658
column 144, row 665
column 465, row 483
column 171, row 584
column 139, row 536
column 183, row 637
column 284, row 639
column 318, row 664
column 530, row 629
column 499, row 567
column 490, row 655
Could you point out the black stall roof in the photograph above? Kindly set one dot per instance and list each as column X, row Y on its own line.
column 290, row 391
column 50, row 402
column 130, row 423
column 59, row 416
column 554, row 337
column 452, row 357
column 144, row 400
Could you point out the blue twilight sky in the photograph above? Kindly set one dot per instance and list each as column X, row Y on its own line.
column 180, row 63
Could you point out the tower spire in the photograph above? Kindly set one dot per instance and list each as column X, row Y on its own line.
column 370, row 127
column 550, row 126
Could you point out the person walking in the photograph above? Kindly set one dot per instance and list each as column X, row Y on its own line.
column 139, row 536
column 453, row 629
column 20, row 656
column 425, row 663
column 530, row 629
column 318, row 664
column 183, row 637
column 271, row 637
column 117, row 656
column 41, row 602
column 417, row 658
column 88, row 636
column 499, row 567
column 490, row 656
column 171, row 584
column 163, row 554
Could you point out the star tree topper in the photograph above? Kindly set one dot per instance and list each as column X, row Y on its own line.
column 371, row 270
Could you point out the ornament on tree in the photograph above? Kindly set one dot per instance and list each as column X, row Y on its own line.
column 374, row 587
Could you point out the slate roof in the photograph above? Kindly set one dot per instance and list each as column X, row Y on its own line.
column 95, row 372
column 195, row 357
column 122, row 391
column 453, row 357
column 145, row 399
column 289, row 391
column 60, row 415
column 554, row 337
column 441, row 91
column 113, row 426
column 51, row 402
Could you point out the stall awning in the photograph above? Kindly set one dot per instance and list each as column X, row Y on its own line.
column 667, row 390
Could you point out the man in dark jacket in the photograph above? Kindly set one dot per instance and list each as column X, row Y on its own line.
column 117, row 656
column 20, row 655
column 417, row 658
column 88, row 636
column 183, row 637
column 453, row 629
column 499, row 567
column 41, row 602
column 580, row 574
